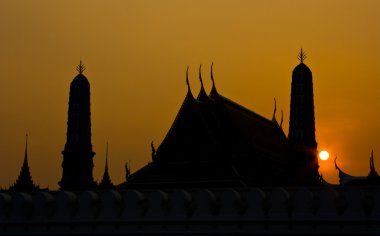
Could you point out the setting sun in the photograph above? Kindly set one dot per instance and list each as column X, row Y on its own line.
column 324, row 155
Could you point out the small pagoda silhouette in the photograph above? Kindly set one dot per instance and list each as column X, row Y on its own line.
column 106, row 182
column 24, row 182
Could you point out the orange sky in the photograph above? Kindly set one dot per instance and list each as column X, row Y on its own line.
column 136, row 53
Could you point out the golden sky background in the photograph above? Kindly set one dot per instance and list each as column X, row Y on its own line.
column 136, row 53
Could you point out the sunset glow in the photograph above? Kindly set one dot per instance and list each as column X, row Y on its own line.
column 324, row 155
column 136, row 54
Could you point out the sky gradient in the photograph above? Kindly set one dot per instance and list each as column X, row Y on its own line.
column 136, row 53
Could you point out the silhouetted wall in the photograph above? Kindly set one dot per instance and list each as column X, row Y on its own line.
column 194, row 212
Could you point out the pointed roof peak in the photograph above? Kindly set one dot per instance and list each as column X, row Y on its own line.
column 372, row 172
column 212, row 74
column 213, row 92
column 274, row 112
column 200, row 75
column 202, row 96
column 26, row 150
column 106, row 167
column 188, row 84
column 24, row 181
column 371, row 162
column 106, row 182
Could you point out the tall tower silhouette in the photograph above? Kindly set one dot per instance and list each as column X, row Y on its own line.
column 78, row 155
column 302, row 122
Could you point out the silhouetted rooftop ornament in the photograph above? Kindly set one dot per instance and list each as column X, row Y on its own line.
column 187, row 78
column 282, row 118
column 106, row 182
column 212, row 74
column 153, row 151
column 127, row 170
column 213, row 92
column 301, row 56
column 81, row 68
column 200, row 75
column 24, row 183
column 372, row 172
column 274, row 112
column 202, row 96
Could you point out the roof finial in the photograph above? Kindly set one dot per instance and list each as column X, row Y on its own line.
column 200, row 75
column 275, row 110
column 336, row 166
column 187, row 77
column 26, row 148
column 301, row 56
column 212, row 75
column 154, row 151
column 282, row 118
column 107, row 156
column 81, row 67
column 371, row 163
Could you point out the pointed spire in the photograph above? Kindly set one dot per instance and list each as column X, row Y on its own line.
column 26, row 152
column 127, row 170
column 24, row 181
column 372, row 172
column 81, row 67
column 336, row 165
column 301, row 56
column 106, row 182
column 212, row 75
column 274, row 112
column 282, row 118
column 187, row 78
column 202, row 96
column 200, row 75
column 213, row 92
column 106, row 169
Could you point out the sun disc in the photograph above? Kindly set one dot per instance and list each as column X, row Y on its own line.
column 324, row 155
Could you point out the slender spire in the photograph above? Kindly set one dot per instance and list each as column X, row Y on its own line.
column 282, row 118
column 336, row 165
column 24, row 181
column 213, row 93
column 200, row 75
column 372, row 164
column 275, row 110
column 202, row 96
column 187, row 78
column 81, row 68
column 212, row 75
column 106, row 182
column 106, row 170
column 26, row 151
column 127, row 170
column 301, row 56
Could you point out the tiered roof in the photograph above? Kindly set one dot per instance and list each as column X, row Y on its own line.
column 216, row 141
column 24, row 182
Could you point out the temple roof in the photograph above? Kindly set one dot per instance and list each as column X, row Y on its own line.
column 216, row 132
column 347, row 179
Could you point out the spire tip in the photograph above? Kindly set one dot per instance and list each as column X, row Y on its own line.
column 301, row 56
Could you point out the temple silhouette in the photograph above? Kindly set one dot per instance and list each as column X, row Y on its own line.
column 221, row 169
column 215, row 142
